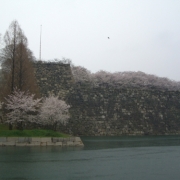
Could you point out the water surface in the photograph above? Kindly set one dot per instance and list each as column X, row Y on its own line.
column 102, row 158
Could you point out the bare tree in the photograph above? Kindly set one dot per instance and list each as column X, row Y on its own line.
column 12, row 39
column 17, row 62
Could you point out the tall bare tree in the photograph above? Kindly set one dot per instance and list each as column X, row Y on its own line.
column 17, row 62
column 12, row 39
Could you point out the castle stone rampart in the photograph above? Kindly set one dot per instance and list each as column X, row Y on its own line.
column 54, row 78
column 107, row 110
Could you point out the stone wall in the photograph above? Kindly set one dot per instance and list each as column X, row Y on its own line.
column 106, row 110
column 54, row 78
column 40, row 141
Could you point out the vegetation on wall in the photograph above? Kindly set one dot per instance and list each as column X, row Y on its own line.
column 124, row 79
column 20, row 99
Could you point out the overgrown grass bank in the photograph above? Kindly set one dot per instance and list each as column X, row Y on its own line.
column 4, row 132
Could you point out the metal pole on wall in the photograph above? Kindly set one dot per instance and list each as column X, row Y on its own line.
column 40, row 43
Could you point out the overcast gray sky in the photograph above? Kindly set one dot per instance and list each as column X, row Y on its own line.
column 144, row 34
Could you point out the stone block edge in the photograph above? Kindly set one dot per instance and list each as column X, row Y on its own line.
column 41, row 141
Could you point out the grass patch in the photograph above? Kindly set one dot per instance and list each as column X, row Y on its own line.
column 4, row 132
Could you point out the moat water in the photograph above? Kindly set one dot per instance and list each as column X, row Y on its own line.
column 102, row 158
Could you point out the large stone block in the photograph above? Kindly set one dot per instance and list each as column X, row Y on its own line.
column 11, row 143
column 70, row 143
column 50, row 144
column 43, row 143
column 58, row 143
column 3, row 139
column 78, row 143
column 24, row 140
column 77, row 139
column 57, row 139
column 71, row 139
column 35, row 139
column 12, row 139
column 33, row 144
column 48, row 139
column 54, row 140
column 21, row 144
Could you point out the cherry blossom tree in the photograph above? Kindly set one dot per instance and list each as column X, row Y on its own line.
column 1, row 103
column 53, row 111
column 123, row 79
column 81, row 74
column 22, row 107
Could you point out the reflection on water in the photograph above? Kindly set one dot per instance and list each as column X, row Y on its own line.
column 102, row 158
column 16, row 178
column 130, row 141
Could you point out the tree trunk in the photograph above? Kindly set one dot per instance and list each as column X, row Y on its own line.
column 10, row 126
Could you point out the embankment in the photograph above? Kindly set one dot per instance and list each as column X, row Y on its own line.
column 40, row 141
